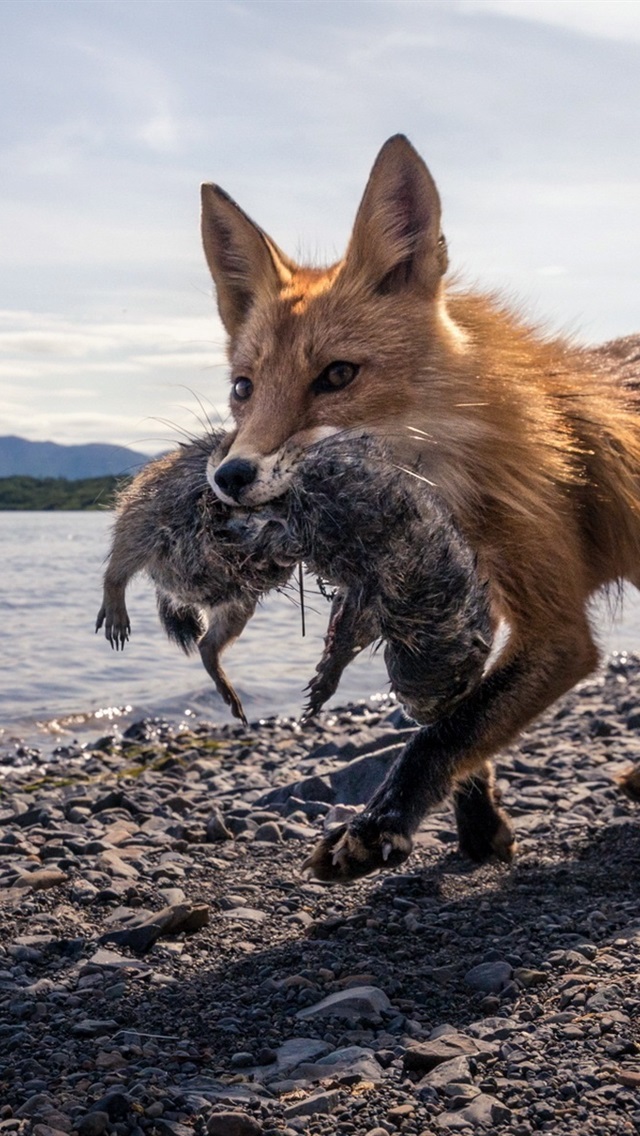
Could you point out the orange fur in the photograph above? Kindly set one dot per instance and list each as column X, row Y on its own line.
column 533, row 443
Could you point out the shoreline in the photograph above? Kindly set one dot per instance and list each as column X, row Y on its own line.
column 165, row 968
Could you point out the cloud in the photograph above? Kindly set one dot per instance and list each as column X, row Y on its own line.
column 609, row 19
column 158, row 370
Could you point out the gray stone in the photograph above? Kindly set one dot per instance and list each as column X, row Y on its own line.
column 358, row 1003
column 216, row 829
column 489, row 977
column 268, row 833
column 351, row 1063
column 456, row 1070
column 288, row 1056
column 171, row 920
column 37, row 1105
column 428, row 1054
column 356, row 782
column 245, row 914
column 92, row 1027
column 321, row 1102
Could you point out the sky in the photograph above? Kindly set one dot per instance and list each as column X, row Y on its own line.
column 113, row 111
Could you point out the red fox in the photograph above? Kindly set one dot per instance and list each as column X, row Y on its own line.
column 532, row 443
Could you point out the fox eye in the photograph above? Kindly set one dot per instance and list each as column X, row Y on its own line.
column 336, row 376
column 242, row 388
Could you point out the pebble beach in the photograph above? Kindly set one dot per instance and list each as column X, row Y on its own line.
column 166, row 968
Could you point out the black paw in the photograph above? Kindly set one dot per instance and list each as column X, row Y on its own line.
column 352, row 851
column 485, row 842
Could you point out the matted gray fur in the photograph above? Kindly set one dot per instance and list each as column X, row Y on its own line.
column 402, row 571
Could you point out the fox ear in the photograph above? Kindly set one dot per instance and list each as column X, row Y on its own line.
column 396, row 240
column 242, row 259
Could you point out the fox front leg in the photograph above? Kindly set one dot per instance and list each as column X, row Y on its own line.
column 114, row 615
column 450, row 753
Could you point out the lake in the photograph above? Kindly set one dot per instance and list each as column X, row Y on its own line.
column 56, row 673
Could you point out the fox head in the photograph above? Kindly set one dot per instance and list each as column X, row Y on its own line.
column 315, row 352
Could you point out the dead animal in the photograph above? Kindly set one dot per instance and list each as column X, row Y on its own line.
column 402, row 572
column 209, row 572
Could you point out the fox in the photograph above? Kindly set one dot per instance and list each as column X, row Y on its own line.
column 531, row 441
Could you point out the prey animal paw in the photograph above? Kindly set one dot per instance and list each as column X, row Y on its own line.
column 352, row 851
column 117, row 627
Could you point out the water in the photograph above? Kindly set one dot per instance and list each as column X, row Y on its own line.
column 57, row 675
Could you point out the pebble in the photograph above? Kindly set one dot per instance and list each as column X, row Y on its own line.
column 253, row 1005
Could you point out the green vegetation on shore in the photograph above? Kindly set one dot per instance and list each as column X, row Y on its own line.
column 57, row 493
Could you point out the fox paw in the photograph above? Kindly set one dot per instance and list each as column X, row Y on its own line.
column 345, row 855
column 497, row 840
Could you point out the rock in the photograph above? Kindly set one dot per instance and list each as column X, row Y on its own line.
column 233, row 1124
column 39, row 1104
column 322, row 1102
column 359, row 1003
column 112, row 960
column 245, row 914
column 629, row 1077
column 489, row 977
column 355, row 783
column 527, row 977
column 116, row 1104
column 485, row 1110
column 91, row 1027
column 216, row 829
column 428, row 1054
column 448, row 1072
column 296, row 1050
column 350, row 1064
column 268, row 833
column 112, row 863
column 40, row 879
column 171, row 920
column 94, row 1124
column 310, row 789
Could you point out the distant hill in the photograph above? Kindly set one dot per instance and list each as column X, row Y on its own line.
column 19, row 457
column 47, row 494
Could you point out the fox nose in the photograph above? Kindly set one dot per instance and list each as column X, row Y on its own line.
column 233, row 476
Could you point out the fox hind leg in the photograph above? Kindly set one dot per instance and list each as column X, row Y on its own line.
column 484, row 829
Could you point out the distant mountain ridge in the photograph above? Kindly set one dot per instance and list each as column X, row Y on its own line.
column 19, row 457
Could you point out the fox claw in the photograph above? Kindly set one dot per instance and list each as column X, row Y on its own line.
column 343, row 855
